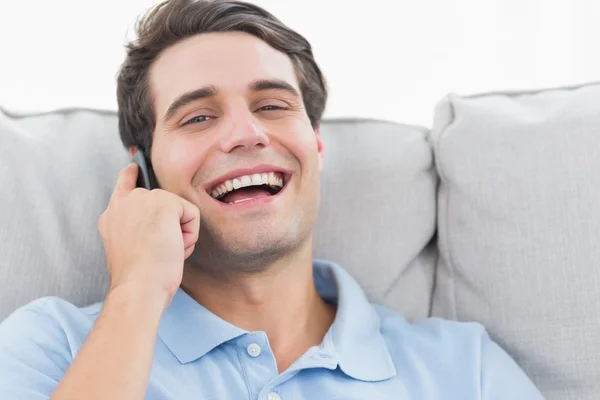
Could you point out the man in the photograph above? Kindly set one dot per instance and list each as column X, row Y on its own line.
column 213, row 292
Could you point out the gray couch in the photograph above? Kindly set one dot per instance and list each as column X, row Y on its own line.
column 491, row 215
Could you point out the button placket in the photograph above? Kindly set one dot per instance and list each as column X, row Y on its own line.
column 257, row 363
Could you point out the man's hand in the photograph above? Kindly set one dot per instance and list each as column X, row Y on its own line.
column 147, row 235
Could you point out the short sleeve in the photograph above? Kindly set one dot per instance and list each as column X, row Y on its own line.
column 34, row 353
column 501, row 376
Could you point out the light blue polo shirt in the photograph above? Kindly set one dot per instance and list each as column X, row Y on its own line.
column 370, row 352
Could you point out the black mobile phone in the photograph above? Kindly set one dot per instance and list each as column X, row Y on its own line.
column 146, row 178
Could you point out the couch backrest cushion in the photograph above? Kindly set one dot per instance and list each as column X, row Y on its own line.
column 57, row 171
column 519, row 231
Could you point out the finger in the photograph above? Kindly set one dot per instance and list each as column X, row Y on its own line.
column 189, row 218
column 188, row 252
column 126, row 181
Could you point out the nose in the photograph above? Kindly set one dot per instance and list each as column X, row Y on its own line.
column 245, row 132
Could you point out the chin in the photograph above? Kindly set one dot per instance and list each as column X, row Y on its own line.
column 259, row 244
column 243, row 251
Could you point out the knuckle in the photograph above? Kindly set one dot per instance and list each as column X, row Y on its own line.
column 138, row 191
column 165, row 197
column 161, row 193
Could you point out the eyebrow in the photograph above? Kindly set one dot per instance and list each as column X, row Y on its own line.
column 189, row 97
column 211, row 91
column 270, row 84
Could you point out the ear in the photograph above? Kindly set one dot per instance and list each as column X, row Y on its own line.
column 132, row 150
column 319, row 146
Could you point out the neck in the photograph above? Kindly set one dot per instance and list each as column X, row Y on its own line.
column 281, row 300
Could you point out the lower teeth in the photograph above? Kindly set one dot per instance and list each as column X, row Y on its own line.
column 238, row 201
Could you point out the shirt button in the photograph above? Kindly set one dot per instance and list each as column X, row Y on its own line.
column 273, row 396
column 254, row 351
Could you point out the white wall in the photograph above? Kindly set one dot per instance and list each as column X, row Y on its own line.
column 391, row 59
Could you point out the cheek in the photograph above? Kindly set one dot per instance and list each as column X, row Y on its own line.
column 308, row 149
column 183, row 160
column 301, row 139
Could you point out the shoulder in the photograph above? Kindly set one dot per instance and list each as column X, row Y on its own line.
column 456, row 354
column 38, row 342
column 48, row 321
column 51, row 310
column 430, row 331
column 445, row 353
column 438, row 341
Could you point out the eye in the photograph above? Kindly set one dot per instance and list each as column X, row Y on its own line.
column 196, row 120
column 272, row 108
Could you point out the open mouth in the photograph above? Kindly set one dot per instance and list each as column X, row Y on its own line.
column 249, row 187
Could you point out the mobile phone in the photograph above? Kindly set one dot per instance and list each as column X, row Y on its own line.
column 146, row 178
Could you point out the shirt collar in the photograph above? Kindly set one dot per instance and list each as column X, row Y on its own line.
column 177, row 328
column 355, row 334
column 354, row 338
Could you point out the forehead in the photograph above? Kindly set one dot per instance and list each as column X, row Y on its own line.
column 228, row 61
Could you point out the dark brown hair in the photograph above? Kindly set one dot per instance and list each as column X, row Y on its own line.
column 173, row 20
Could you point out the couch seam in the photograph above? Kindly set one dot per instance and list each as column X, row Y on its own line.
column 443, row 234
column 436, row 260
column 393, row 281
column 530, row 92
column 55, row 111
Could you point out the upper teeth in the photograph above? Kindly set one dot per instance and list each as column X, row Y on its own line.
column 267, row 178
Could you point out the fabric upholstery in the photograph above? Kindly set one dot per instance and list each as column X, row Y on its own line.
column 518, row 228
column 57, row 171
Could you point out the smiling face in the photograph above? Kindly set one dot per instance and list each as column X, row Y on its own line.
column 229, row 114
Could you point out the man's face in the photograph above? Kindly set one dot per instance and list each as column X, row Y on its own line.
column 228, row 108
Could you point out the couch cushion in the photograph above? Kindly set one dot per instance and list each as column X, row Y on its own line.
column 57, row 171
column 519, row 228
column 378, row 210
